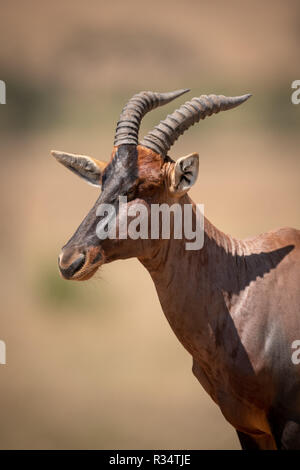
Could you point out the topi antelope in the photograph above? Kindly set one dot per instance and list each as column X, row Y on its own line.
column 234, row 305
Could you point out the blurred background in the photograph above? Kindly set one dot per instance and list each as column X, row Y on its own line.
column 95, row 364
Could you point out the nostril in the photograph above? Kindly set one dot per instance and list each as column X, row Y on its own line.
column 78, row 263
column 73, row 267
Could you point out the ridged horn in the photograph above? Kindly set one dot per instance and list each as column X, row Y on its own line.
column 163, row 136
column 130, row 119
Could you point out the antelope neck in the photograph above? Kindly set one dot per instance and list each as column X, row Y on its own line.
column 192, row 285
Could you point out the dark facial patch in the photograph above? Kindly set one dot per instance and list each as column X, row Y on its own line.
column 121, row 175
column 120, row 178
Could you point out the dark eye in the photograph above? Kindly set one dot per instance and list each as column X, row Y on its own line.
column 131, row 194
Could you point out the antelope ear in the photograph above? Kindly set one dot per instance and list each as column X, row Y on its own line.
column 87, row 168
column 184, row 173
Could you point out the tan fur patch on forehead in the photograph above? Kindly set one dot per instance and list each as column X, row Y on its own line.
column 113, row 153
column 150, row 163
column 148, row 160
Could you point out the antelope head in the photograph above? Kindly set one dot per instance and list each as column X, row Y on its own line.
column 140, row 172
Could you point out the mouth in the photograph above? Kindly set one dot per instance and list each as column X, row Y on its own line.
column 86, row 274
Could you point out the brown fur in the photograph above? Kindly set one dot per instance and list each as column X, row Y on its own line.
column 234, row 305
